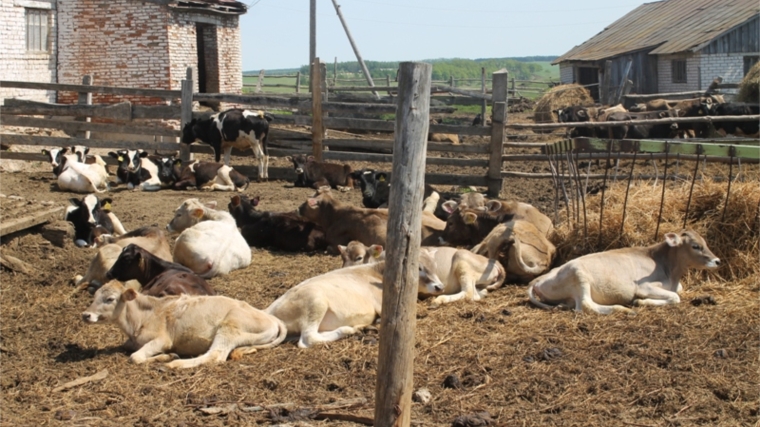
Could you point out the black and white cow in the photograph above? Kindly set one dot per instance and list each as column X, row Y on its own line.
column 236, row 128
column 375, row 188
column 749, row 128
column 56, row 158
column 139, row 170
column 89, row 213
column 209, row 176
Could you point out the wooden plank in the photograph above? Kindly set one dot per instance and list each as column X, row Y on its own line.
column 671, row 95
column 673, row 147
column 358, row 124
column 498, row 132
column 259, row 100
column 120, row 111
column 127, row 91
column 365, row 108
column 387, row 144
column 461, row 130
column 701, row 119
column 85, row 98
column 453, row 179
column 625, row 156
column 160, row 112
column 14, row 139
column 37, row 218
column 72, row 126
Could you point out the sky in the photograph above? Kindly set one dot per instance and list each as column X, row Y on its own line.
column 275, row 33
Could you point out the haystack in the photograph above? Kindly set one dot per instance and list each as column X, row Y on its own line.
column 735, row 238
column 749, row 89
column 560, row 97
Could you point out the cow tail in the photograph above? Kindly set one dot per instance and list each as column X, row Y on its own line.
column 282, row 333
column 534, row 299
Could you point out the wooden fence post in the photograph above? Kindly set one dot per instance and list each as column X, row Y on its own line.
column 498, row 132
column 335, row 72
column 316, row 109
column 186, row 114
column 85, row 98
column 605, row 91
column 451, row 81
column 484, row 104
column 298, row 82
column 395, row 368
column 260, row 83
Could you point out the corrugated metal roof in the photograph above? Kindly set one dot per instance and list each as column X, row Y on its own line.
column 668, row 26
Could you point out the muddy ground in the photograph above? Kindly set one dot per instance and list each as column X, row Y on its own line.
column 673, row 366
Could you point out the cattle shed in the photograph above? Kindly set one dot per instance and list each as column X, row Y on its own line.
column 669, row 46
column 125, row 43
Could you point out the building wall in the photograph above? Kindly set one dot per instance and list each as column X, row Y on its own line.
column 119, row 42
column 18, row 64
column 664, row 73
column 565, row 73
column 729, row 66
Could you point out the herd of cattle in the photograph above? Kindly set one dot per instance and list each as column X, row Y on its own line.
column 161, row 300
column 711, row 105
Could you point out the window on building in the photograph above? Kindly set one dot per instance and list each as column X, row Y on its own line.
column 749, row 62
column 678, row 70
column 37, row 24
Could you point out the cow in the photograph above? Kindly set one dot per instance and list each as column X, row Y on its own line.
column 639, row 131
column 234, row 128
column 510, row 209
column 478, row 120
column 681, row 104
column 576, row 114
column 375, row 188
column 284, row 230
column 520, row 247
column 343, row 223
column 606, row 282
column 152, row 239
column 89, row 213
column 56, row 159
column 341, row 302
column 313, row 174
column 444, row 137
column 209, row 176
column 206, row 328
column 748, row 128
column 158, row 277
column 81, row 177
column 209, row 242
column 139, row 170
column 465, row 275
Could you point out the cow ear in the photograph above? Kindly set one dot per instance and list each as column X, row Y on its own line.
column 310, row 159
column 312, row 202
column 74, row 201
column 470, row 218
column 493, row 205
column 255, row 201
column 381, row 177
column 197, row 213
column 342, row 250
column 582, row 113
column 450, row 206
column 129, row 295
column 289, row 158
column 376, row 251
column 45, row 152
column 672, row 239
column 64, row 150
column 113, row 154
column 211, row 204
column 105, row 204
column 235, row 200
column 143, row 154
column 177, row 162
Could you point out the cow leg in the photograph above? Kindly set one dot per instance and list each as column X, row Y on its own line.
column 445, row 299
column 227, row 152
column 148, row 186
column 652, row 294
column 222, row 182
column 262, row 159
column 118, row 228
column 145, row 353
column 311, row 336
column 583, row 302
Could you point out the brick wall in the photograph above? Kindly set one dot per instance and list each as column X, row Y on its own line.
column 665, row 78
column 729, row 66
column 18, row 64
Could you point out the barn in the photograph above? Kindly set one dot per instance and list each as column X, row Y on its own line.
column 672, row 46
column 127, row 43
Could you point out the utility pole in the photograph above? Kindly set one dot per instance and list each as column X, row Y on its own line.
column 312, row 31
column 356, row 49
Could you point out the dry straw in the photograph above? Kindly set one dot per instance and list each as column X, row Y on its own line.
column 748, row 89
column 560, row 97
column 733, row 237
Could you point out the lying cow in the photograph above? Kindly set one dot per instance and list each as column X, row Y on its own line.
column 56, row 159
column 520, row 247
column 89, row 213
column 341, row 302
column 81, row 177
column 234, row 128
column 314, row 174
column 606, row 281
column 141, row 171
column 206, row 328
column 210, row 243
column 464, row 274
column 209, row 176
column 152, row 239
column 158, row 277
column 284, row 230
column 375, row 188
column 639, row 131
column 506, row 210
column 749, row 128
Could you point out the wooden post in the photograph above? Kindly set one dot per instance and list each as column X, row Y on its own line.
column 312, row 31
column 298, row 82
column 260, row 84
column 605, row 92
column 393, row 389
column 484, row 103
column 498, row 132
column 623, row 81
column 335, row 72
column 514, row 89
column 325, row 94
column 316, row 110
column 85, row 98
column 186, row 115
column 451, row 81
column 358, row 54
column 388, row 82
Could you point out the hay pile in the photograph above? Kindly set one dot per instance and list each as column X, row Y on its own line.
column 560, row 97
column 749, row 89
column 735, row 239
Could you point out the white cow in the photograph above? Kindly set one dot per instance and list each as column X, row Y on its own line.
column 603, row 282
column 210, row 242
column 81, row 177
column 341, row 302
column 206, row 328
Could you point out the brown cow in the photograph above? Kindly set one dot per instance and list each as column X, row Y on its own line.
column 314, row 174
column 158, row 278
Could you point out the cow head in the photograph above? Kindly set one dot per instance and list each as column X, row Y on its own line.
column 56, row 158
column 81, row 152
column 108, row 303
column 429, row 283
column 128, row 265
column 460, row 224
column 691, row 250
column 356, row 253
column 189, row 213
column 166, row 168
column 188, row 132
column 299, row 163
column 83, row 214
column 129, row 160
column 322, row 201
column 369, row 180
column 241, row 208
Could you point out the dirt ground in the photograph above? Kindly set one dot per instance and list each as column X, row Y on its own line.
column 683, row 365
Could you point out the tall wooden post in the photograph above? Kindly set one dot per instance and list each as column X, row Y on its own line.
column 393, row 390
column 605, row 91
column 260, row 84
column 312, row 30
column 316, row 109
column 85, row 98
column 186, row 114
column 498, row 132
column 484, row 104
column 298, row 82
column 335, row 72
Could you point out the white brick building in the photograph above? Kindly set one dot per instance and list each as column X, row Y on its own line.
column 672, row 46
column 132, row 43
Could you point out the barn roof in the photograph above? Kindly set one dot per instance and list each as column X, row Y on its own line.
column 668, row 26
column 227, row 7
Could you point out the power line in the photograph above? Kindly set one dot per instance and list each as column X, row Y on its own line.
column 495, row 11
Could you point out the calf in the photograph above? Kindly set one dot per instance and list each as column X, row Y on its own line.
column 576, row 114
column 141, row 171
column 467, row 226
column 284, row 231
column 82, row 177
column 510, row 209
column 375, row 188
column 444, row 137
column 89, row 213
column 158, row 277
column 210, row 176
column 56, row 157
column 356, row 253
column 341, row 302
column 606, row 281
column 236, row 128
column 311, row 173
column 750, row 128
column 206, row 328
column 520, row 247
column 664, row 130
column 209, row 242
